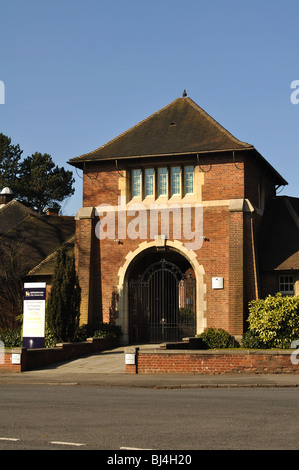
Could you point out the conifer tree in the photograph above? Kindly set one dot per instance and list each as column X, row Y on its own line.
column 63, row 306
column 35, row 180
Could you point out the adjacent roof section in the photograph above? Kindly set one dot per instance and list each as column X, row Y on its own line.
column 47, row 266
column 179, row 128
column 12, row 214
column 279, row 239
column 41, row 234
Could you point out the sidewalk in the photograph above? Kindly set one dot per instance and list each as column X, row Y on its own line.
column 107, row 369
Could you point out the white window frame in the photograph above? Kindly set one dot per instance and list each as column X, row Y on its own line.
column 165, row 181
column 136, row 185
column 149, row 182
column 162, row 181
column 286, row 284
column 188, row 170
column 175, row 185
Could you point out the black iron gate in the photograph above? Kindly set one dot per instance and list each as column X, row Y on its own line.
column 162, row 304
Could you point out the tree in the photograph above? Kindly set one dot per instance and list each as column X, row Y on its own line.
column 35, row 181
column 10, row 156
column 41, row 183
column 63, row 306
column 14, row 266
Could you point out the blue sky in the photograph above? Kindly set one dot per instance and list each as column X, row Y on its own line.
column 77, row 74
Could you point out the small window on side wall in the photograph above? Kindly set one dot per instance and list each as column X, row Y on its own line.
column 286, row 284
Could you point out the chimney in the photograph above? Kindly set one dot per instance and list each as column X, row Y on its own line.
column 6, row 196
column 54, row 210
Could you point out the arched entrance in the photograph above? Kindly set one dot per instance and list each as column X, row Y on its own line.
column 162, row 298
column 127, row 272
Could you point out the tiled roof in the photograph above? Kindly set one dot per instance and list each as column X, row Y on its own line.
column 12, row 214
column 180, row 128
column 47, row 266
column 41, row 234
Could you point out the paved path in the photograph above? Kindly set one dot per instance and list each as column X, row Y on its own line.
column 107, row 368
column 106, row 362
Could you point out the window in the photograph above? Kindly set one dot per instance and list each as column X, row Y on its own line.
column 149, row 182
column 175, row 181
column 286, row 285
column 162, row 181
column 188, row 179
column 136, row 183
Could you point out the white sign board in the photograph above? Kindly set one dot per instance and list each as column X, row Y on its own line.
column 217, row 282
column 130, row 358
column 16, row 358
column 34, row 312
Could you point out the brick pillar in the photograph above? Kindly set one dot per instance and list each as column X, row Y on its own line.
column 84, row 253
column 236, row 267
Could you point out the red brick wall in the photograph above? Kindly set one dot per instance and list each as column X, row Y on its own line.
column 223, row 177
column 214, row 256
column 213, row 363
column 259, row 183
column 228, row 251
column 100, row 184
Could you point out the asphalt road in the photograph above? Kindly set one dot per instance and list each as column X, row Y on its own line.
column 56, row 417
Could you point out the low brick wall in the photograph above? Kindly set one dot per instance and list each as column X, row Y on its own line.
column 22, row 359
column 212, row 362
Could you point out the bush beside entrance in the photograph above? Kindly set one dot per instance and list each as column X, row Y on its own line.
column 274, row 321
column 217, row 338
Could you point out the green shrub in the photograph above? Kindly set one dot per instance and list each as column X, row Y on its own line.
column 50, row 340
column 82, row 333
column 251, row 340
column 11, row 338
column 217, row 338
column 108, row 330
column 102, row 330
column 275, row 320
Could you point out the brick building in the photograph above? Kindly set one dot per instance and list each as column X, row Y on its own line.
column 29, row 244
column 167, row 238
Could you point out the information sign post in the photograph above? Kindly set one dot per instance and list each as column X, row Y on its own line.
column 34, row 315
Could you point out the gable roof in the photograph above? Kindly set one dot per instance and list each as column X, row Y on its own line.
column 47, row 266
column 12, row 214
column 180, row 128
column 41, row 234
column 279, row 236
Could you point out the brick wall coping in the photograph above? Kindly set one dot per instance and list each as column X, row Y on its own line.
column 207, row 352
column 34, row 358
column 211, row 361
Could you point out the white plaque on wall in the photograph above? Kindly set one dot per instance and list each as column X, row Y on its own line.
column 217, row 282
column 130, row 358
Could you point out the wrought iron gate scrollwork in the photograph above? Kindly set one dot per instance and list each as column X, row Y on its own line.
column 162, row 304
